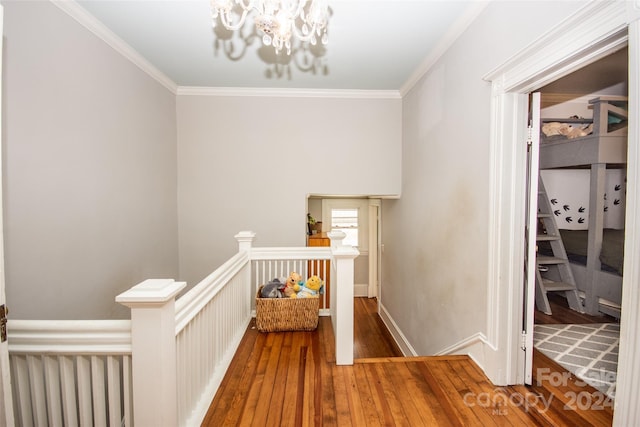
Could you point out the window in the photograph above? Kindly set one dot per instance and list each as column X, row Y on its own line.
column 351, row 216
column 346, row 220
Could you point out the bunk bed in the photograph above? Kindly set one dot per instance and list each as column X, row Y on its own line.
column 597, row 144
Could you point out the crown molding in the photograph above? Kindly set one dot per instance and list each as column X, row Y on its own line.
column 77, row 12
column 288, row 93
column 456, row 30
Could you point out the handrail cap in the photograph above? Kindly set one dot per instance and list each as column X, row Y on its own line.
column 151, row 291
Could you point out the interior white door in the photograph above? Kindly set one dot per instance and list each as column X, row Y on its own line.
column 373, row 249
column 6, row 401
column 530, row 235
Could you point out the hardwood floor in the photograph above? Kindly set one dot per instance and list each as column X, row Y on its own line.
column 290, row 379
column 561, row 313
column 371, row 338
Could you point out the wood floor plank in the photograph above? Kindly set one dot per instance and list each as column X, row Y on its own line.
column 427, row 404
column 299, row 390
column 326, row 394
column 483, row 403
column 520, row 401
column 367, row 323
column 535, row 406
column 309, row 401
column 561, row 313
column 328, row 339
column 229, row 402
column 353, row 397
column 397, row 391
column 253, row 395
column 271, row 408
column 446, row 394
column 398, row 405
column 366, row 396
column 581, row 399
column 488, row 401
column 341, row 397
column 291, row 379
column 388, row 408
column 317, row 384
column 264, row 407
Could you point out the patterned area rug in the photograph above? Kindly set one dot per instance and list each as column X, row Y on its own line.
column 589, row 351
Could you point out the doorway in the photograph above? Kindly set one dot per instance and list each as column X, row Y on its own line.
column 595, row 31
column 359, row 218
column 581, row 222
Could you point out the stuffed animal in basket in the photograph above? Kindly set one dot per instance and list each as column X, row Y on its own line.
column 292, row 281
column 311, row 288
column 273, row 289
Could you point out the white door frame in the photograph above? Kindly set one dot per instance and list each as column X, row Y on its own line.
column 6, row 401
column 596, row 30
column 374, row 245
column 533, row 163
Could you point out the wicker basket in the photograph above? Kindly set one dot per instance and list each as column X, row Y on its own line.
column 286, row 314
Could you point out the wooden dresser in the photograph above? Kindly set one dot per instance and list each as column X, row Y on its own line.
column 321, row 268
column 319, row 239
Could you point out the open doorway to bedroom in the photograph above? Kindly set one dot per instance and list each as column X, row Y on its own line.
column 596, row 30
column 581, row 221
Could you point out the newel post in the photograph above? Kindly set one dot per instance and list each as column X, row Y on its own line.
column 342, row 297
column 153, row 351
column 245, row 240
column 245, row 243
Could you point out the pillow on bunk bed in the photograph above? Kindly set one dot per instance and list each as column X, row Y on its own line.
column 616, row 124
column 565, row 130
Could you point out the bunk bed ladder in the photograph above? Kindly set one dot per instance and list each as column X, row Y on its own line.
column 558, row 276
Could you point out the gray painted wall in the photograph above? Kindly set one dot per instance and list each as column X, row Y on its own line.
column 89, row 170
column 434, row 283
column 249, row 163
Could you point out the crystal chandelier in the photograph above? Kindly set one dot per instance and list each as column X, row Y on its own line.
column 277, row 20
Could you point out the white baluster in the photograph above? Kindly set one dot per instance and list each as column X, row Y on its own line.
column 21, row 376
column 52, row 384
column 128, row 398
column 85, row 405
column 97, row 391
column 113, row 391
column 67, row 384
column 36, row 382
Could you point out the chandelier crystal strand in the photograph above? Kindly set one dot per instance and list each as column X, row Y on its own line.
column 277, row 20
column 223, row 9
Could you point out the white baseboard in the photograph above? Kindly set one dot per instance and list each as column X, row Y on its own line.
column 396, row 333
column 466, row 346
column 472, row 346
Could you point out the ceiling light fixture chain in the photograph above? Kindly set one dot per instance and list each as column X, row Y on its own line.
column 277, row 20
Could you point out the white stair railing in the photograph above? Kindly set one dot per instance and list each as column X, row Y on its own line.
column 169, row 360
column 270, row 263
column 69, row 373
column 211, row 320
column 334, row 265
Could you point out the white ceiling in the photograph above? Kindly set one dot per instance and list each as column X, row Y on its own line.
column 373, row 44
